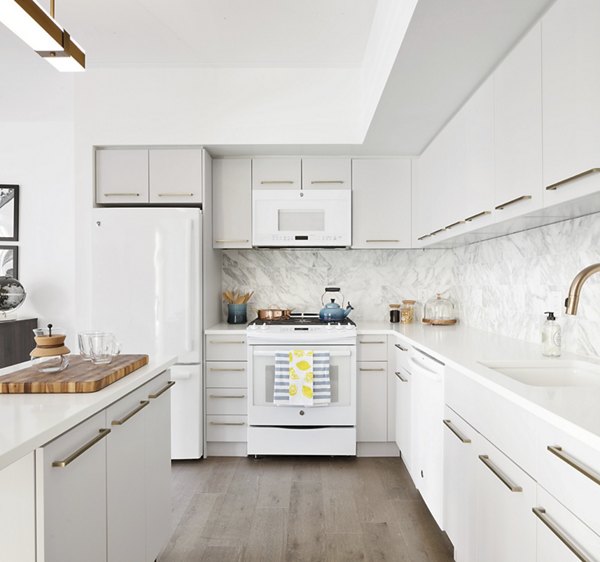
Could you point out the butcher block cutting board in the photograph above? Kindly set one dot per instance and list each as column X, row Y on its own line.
column 79, row 376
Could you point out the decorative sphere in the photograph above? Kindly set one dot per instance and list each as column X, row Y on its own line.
column 12, row 294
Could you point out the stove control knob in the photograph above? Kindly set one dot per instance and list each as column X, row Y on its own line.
column 339, row 326
column 263, row 326
column 301, row 412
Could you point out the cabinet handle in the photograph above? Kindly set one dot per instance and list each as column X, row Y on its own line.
column 227, row 341
column 540, row 513
column 573, row 462
column 227, row 396
column 501, row 476
column 376, row 241
column 215, row 369
column 133, row 412
column 454, row 224
column 231, row 241
column 162, row 390
column 269, row 182
column 478, row 216
column 66, row 462
column 368, row 342
column 560, row 183
column 458, row 434
column 423, row 237
column 400, row 347
column 175, row 194
column 370, row 370
column 437, row 231
column 327, row 181
column 513, row 201
column 399, row 375
column 227, row 423
column 121, row 195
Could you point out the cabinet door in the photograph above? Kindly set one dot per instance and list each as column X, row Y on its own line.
column 381, row 193
column 504, row 495
column 121, row 176
column 125, row 486
column 326, row 173
column 371, row 424
column 403, row 414
column 175, row 175
column 518, row 128
column 71, row 494
column 17, row 510
column 276, row 173
column 571, row 89
column 232, row 203
column 158, row 465
column 459, row 461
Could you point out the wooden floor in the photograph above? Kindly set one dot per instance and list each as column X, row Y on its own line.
column 300, row 509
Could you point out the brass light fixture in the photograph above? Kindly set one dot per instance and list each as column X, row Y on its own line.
column 31, row 23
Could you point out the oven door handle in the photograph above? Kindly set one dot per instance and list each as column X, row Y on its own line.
column 257, row 353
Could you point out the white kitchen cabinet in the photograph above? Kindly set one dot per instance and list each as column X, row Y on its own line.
column 175, row 175
column 381, row 194
column 371, row 419
column 505, row 528
column 403, row 411
column 326, row 173
column 232, row 203
column 518, row 128
column 276, row 173
column 17, row 510
column 71, row 494
column 121, row 176
column 571, row 89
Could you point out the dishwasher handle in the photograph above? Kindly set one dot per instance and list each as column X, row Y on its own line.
column 418, row 368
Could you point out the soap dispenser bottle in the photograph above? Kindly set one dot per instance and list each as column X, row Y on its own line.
column 551, row 336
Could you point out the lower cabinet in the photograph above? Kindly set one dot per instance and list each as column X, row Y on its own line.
column 403, row 409
column 371, row 415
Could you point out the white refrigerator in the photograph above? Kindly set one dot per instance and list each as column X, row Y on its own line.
column 147, row 289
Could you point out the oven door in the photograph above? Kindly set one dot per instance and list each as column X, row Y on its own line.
column 340, row 412
column 301, row 217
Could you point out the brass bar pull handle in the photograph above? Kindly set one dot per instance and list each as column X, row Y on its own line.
column 269, row 182
column 327, row 181
column 425, row 236
column 573, row 462
column 227, row 396
column 227, row 341
column 162, row 390
column 560, row 183
column 382, row 240
column 458, row 434
column 133, row 412
column 477, row 216
column 454, row 224
column 220, row 370
column 501, row 476
column 540, row 513
column 400, row 347
column 227, row 423
column 370, row 370
column 175, row 194
column 368, row 342
column 231, row 241
column 513, row 201
column 121, row 195
column 66, row 462
column 399, row 375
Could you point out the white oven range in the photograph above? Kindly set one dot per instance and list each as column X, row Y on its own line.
column 301, row 430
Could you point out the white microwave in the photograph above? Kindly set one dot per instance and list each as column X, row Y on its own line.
column 301, row 217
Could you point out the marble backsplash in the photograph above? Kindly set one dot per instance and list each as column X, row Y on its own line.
column 502, row 285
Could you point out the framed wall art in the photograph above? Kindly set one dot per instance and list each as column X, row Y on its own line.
column 9, row 261
column 9, row 213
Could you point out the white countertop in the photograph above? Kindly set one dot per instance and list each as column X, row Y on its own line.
column 28, row 421
column 574, row 409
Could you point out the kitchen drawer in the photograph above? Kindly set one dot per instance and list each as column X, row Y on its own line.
column 227, row 401
column 372, row 348
column 399, row 350
column 222, row 374
column 573, row 477
column 554, row 520
column 226, row 348
column 226, row 428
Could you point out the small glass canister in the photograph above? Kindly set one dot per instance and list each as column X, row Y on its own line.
column 407, row 311
column 394, row 313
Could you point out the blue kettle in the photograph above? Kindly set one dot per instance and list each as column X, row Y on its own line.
column 332, row 311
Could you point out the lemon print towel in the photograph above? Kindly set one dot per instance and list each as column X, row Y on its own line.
column 301, row 378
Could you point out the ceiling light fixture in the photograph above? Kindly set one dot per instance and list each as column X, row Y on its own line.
column 30, row 22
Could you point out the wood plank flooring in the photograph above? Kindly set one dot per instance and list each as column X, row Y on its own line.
column 300, row 509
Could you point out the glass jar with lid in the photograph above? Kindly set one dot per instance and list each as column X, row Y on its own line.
column 407, row 311
column 439, row 311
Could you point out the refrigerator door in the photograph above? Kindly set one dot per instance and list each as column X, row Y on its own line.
column 146, row 283
column 186, row 412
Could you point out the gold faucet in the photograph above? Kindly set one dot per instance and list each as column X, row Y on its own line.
column 576, row 285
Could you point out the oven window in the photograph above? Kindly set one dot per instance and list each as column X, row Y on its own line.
column 306, row 220
column 333, row 381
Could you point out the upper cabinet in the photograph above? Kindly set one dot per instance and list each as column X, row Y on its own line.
column 142, row 176
column 381, row 192
column 518, row 128
column 326, row 173
column 571, row 90
column 232, row 203
column 276, row 173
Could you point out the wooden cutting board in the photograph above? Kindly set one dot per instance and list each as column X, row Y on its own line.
column 79, row 376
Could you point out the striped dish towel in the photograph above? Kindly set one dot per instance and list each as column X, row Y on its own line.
column 301, row 378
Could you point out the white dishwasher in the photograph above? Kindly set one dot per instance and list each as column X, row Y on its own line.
column 428, row 434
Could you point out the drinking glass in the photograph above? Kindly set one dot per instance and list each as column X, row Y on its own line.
column 85, row 344
column 103, row 347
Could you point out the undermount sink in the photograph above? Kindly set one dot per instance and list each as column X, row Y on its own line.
column 549, row 372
